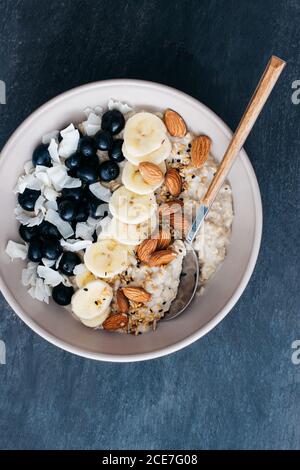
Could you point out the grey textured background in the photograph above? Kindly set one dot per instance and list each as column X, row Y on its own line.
column 236, row 387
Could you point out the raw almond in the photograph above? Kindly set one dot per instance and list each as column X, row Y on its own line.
column 115, row 321
column 200, row 150
column 151, row 173
column 122, row 302
column 174, row 123
column 163, row 239
column 146, row 248
column 170, row 207
column 162, row 257
column 136, row 294
column 173, row 182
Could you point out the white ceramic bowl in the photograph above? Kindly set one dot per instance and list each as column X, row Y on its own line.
column 222, row 292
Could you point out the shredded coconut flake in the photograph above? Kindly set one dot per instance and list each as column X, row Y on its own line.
column 29, row 274
column 79, row 269
column 83, row 231
column 69, row 143
column 64, row 227
column 53, row 151
column 51, row 277
column 122, row 107
column 40, row 291
column 39, row 204
column 16, row 250
column 50, row 194
column 102, row 193
column 75, row 245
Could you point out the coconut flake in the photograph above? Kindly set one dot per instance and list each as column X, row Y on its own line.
column 50, row 194
column 122, row 107
column 64, row 227
column 67, row 129
column 29, row 274
column 28, row 167
column 79, row 269
column 51, row 277
column 16, row 250
column 26, row 219
column 69, row 143
column 40, row 291
column 96, row 110
column 92, row 125
column 39, row 204
column 101, row 210
column 48, row 262
column 75, row 245
column 53, row 151
column 102, row 193
column 72, row 182
column 58, row 176
column 46, row 139
column 27, row 181
column 51, row 205
column 84, row 231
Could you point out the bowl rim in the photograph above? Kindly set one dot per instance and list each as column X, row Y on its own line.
column 244, row 279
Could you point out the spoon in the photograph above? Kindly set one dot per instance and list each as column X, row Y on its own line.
column 190, row 267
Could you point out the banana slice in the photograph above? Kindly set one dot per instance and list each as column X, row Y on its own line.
column 97, row 321
column 144, row 133
column 84, row 278
column 157, row 156
column 132, row 179
column 130, row 207
column 132, row 234
column 106, row 258
column 92, row 301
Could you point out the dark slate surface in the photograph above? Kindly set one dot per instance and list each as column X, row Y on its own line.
column 237, row 387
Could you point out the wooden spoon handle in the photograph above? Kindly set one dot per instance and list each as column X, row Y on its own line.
column 260, row 96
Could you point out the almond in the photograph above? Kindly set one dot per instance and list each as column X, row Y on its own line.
column 200, row 150
column 151, row 173
column 170, row 207
column 146, row 248
column 122, row 302
column 163, row 239
column 174, row 123
column 173, row 182
column 162, row 257
column 180, row 223
column 136, row 294
column 115, row 321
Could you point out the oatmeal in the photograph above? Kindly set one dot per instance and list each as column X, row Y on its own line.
column 104, row 207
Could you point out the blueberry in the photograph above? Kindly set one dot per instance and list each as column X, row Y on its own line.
column 29, row 233
column 73, row 161
column 72, row 173
column 93, row 161
column 108, row 171
column 28, row 199
column 51, row 249
column 67, row 210
column 48, row 230
column 41, row 156
column 62, row 294
column 104, row 140
column 72, row 193
column 88, row 173
column 35, row 251
column 82, row 212
column 113, row 121
column 87, row 146
column 68, row 262
column 115, row 153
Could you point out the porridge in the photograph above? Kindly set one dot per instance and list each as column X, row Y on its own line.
column 104, row 207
